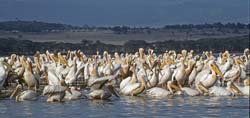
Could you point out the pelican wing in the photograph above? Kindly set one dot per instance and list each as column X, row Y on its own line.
column 96, row 83
column 53, row 79
column 3, row 76
column 51, row 89
column 130, row 88
column 231, row 74
column 124, row 82
column 28, row 95
column 74, row 96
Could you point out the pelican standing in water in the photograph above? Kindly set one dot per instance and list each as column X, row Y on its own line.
column 28, row 75
column 180, row 75
column 208, row 80
column 135, row 88
column 234, row 74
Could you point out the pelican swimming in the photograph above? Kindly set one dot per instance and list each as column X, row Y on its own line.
column 231, row 89
column 30, row 79
column 235, row 72
column 74, row 94
column 158, row 92
column 27, row 95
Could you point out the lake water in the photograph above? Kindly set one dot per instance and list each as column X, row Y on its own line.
column 201, row 106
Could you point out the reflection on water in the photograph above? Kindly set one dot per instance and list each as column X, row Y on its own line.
column 201, row 106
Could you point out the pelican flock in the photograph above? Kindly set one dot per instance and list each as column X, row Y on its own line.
column 74, row 75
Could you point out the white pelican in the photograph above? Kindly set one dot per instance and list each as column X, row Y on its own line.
column 73, row 73
column 105, row 92
column 190, row 91
column 74, row 95
column 208, row 79
column 153, row 80
column 56, row 92
column 180, row 74
column 166, row 71
column 158, row 92
column 3, row 75
column 28, row 95
column 165, row 75
column 97, row 85
column 246, row 88
column 235, row 72
column 129, row 80
column 28, row 75
column 192, row 76
column 134, row 89
column 227, row 65
column 231, row 89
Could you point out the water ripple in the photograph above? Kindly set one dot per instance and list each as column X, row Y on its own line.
column 202, row 106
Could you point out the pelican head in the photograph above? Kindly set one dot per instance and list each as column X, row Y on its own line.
column 141, row 52
column 184, row 53
column 247, row 82
column 239, row 61
column 215, row 68
column 225, row 56
column 246, row 51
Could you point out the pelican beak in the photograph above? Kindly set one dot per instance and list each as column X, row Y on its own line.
column 216, row 70
column 170, row 61
column 247, row 82
column 7, row 65
column 224, row 60
column 240, row 62
column 175, row 87
column 14, row 93
column 235, row 88
column 146, row 66
column 184, row 53
column 62, row 60
column 17, row 98
column 113, row 91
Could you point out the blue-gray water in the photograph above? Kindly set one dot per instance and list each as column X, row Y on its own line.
column 129, row 107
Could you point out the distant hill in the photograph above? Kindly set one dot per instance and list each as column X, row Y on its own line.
column 26, row 47
column 33, row 26
column 37, row 26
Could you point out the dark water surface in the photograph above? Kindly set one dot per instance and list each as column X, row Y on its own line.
column 201, row 106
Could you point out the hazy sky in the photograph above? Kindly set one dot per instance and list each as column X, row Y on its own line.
column 126, row 12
